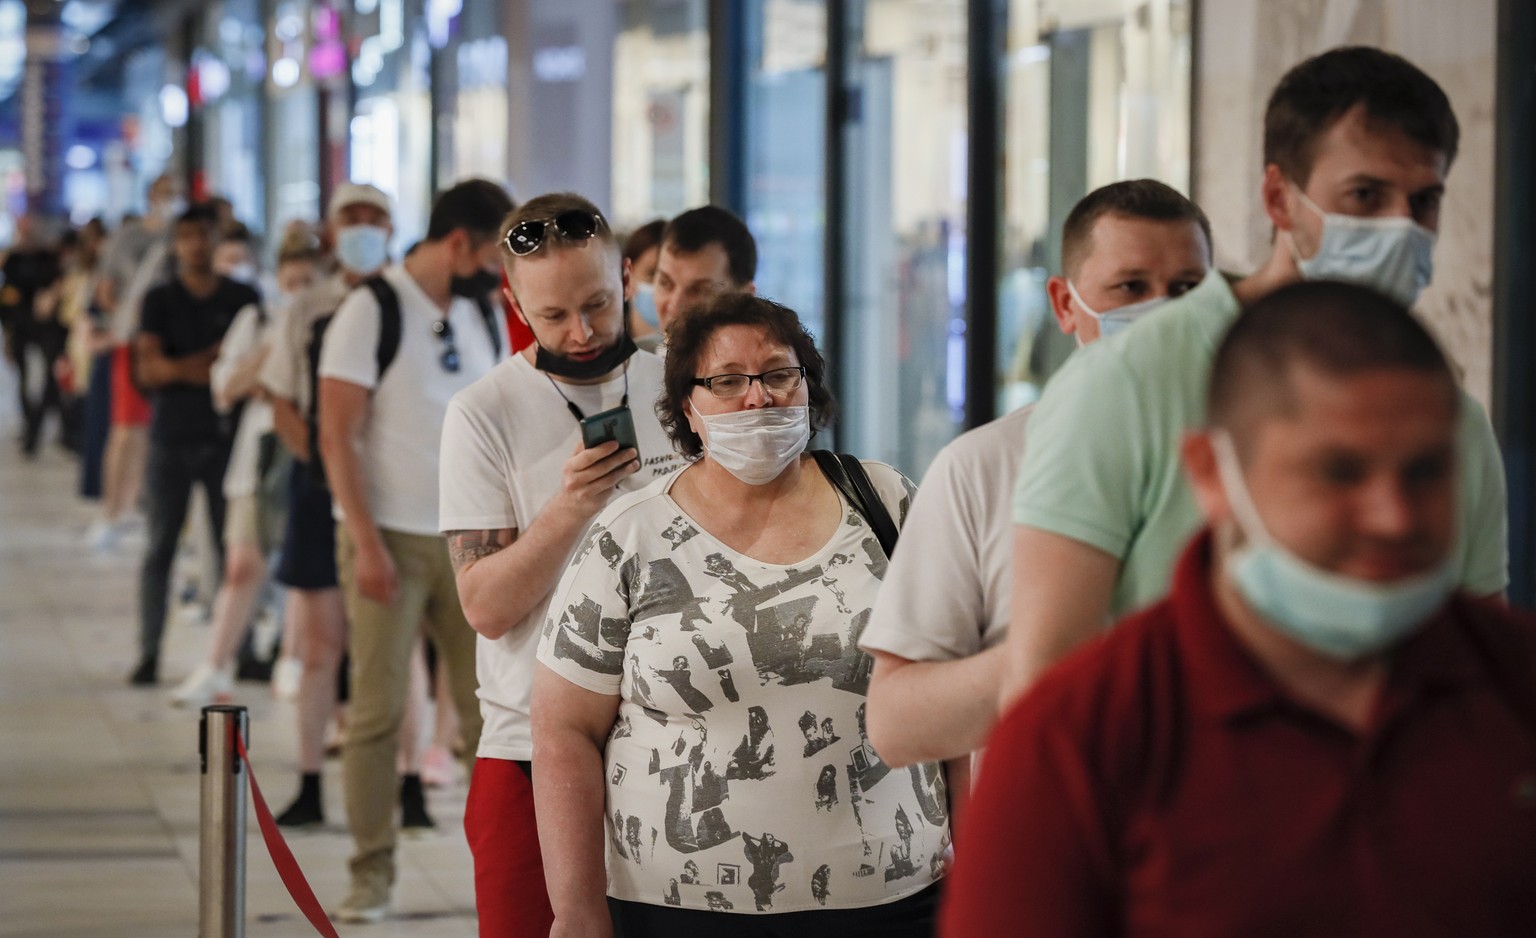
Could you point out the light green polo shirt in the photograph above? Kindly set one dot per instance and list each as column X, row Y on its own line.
column 1102, row 464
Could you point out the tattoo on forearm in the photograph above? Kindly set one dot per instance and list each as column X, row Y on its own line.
column 466, row 547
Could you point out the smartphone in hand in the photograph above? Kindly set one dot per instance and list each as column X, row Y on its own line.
column 616, row 424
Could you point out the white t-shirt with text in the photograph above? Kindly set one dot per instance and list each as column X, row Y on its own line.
column 505, row 442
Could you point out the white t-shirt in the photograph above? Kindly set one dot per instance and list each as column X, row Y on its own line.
column 505, row 442
column 738, row 772
column 399, row 447
column 246, row 336
column 285, row 373
column 948, row 592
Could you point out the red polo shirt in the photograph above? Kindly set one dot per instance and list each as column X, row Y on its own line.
column 1159, row 782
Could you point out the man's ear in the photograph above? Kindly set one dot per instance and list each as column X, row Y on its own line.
column 627, row 278
column 1275, row 192
column 1198, row 454
column 1061, row 304
column 506, row 291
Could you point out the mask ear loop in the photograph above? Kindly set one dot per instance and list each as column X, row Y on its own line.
column 1229, row 469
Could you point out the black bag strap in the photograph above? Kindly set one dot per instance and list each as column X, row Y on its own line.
column 847, row 475
column 488, row 316
column 389, row 321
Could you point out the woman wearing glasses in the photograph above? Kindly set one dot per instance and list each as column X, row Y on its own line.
column 698, row 710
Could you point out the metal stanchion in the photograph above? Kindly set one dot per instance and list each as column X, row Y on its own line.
column 221, row 886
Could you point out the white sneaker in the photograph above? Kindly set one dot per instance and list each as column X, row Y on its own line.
column 206, row 684
column 102, row 536
column 285, row 678
column 366, row 903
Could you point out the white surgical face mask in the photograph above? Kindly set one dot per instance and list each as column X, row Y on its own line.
column 362, row 249
column 243, row 273
column 1394, row 256
column 1117, row 319
column 1334, row 615
column 757, row 445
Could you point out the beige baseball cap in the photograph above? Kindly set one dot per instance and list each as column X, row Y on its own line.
column 357, row 193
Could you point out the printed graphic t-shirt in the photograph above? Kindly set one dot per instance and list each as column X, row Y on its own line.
column 739, row 775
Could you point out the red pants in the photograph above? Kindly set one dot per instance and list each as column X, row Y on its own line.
column 504, row 838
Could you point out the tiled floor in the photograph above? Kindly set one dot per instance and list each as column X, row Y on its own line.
column 99, row 781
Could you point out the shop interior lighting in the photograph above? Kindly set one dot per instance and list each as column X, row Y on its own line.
column 285, row 72
column 173, row 105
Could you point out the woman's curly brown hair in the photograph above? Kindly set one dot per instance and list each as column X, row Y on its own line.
column 689, row 334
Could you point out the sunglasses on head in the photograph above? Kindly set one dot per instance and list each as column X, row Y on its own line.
column 573, row 225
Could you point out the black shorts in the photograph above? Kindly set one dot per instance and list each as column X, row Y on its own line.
column 309, row 539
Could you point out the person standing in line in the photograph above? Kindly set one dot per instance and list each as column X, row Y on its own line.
column 183, row 325
column 704, row 624
column 248, row 534
column 519, row 486
column 33, row 337
column 705, row 252
column 641, row 249
column 381, row 413
column 1315, row 733
column 937, row 632
column 137, row 258
column 1357, row 145
column 358, row 224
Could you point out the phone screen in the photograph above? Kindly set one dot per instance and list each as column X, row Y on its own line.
column 617, row 424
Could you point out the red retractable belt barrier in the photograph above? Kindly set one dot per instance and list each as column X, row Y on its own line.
column 282, row 858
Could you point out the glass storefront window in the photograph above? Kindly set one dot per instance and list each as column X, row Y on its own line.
column 391, row 125
column 1094, row 91
column 904, row 304
column 660, row 110
column 785, row 151
column 293, row 178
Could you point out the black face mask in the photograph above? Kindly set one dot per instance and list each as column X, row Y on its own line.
column 606, row 361
column 477, row 285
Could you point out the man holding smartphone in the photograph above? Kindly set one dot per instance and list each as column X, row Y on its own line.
column 531, row 453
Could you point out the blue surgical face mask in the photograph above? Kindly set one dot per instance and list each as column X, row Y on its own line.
column 1118, row 319
column 1392, row 255
column 645, row 305
column 1338, row 616
column 362, row 249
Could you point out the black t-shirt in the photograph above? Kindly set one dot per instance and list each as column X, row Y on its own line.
column 186, row 325
column 26, row 272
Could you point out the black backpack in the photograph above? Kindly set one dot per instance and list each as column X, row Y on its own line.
column 390, row 324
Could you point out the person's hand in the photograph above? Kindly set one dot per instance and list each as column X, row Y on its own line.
column 376, row 576
column 590, row 477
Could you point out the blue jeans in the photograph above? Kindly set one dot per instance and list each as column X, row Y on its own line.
column 98, row 423
column 169, row 476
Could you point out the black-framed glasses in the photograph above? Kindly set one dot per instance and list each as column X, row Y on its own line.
column 777, row 381
column 572, row 225
column 450, row 357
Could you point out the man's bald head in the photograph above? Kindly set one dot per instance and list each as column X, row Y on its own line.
column 1336, row 329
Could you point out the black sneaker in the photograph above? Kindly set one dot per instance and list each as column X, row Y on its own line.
column 147, row 674
column 413, row 806
column 304, row 812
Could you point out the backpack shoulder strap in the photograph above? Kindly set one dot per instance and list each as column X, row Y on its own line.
column 847, row 475
column 389, row 322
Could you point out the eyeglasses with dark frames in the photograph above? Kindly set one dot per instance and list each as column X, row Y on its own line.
column 571, row 225
column 450, row 357
column 776, row 381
